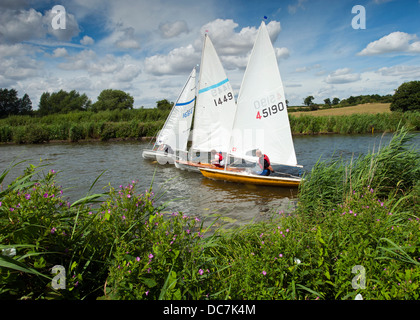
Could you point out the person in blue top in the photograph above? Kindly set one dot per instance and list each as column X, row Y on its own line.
column 263, row 166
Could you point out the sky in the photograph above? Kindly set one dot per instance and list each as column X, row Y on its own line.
column 147, row 48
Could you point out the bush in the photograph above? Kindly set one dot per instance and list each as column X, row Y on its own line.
column 406, row 97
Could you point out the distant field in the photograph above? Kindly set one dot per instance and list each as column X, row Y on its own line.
column 371, row 108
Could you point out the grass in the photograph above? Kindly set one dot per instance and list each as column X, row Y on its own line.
column 139, row 123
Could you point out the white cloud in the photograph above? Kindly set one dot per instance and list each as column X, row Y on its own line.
column 402, row 71
column 80, row 61
column 170, row 30
column 20, row 25
column 24, row 25
column 294, row 8
column 232, row 47
column 122, row 38
column 343, row 75
column 394, row 42
column 60, row 52
column 178, row 60
column 87, row 41
column 229, row 42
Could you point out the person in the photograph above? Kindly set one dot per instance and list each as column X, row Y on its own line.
column 166, row 148
column 263, row 166
column 217, row 159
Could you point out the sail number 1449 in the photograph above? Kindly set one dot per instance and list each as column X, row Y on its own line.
column 225, row 98
column 266, row 112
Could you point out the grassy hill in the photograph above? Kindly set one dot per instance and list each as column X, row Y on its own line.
column 370, row 108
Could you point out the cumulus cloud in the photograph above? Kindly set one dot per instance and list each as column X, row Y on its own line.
column 87, row 41
column 170, row 30
column 21, row 25
column 394, row 42
column 122, row 38
column 343, row 75
column 178, row 60
column 229, row 42
column 233, row 48
column 24, row 25
column 60, row 52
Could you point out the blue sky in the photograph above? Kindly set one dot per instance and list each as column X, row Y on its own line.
column 148, row 48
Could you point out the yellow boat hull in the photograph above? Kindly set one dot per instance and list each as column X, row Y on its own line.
column 249, row 178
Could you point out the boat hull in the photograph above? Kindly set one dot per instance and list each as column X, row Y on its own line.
column 242, row 177
column 161, row 157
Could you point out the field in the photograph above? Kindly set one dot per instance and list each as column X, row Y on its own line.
column 370, row 108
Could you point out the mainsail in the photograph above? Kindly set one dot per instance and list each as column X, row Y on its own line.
column 177, row 126
column 261, row 120
column 215, row 108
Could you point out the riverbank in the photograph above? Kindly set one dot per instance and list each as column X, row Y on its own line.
column 56, row 129
column 120, row 245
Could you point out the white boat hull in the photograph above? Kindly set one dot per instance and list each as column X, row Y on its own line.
column 158, row 156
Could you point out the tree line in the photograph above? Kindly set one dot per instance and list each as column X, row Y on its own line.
column 405, row 98
column 64, row 102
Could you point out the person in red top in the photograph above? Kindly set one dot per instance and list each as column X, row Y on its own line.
column 263, row 164
column 217, row 159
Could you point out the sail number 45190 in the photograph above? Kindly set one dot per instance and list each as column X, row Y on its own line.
column 266, row 112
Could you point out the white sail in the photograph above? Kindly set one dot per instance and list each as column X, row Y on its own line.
column 215, row 108
column 177, row 127
column 261, row 120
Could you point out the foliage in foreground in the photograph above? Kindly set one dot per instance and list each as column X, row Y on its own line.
column 362, row 214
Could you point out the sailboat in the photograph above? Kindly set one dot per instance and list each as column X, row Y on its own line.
column 214, row 112
column 261, row 119
column 173, row 137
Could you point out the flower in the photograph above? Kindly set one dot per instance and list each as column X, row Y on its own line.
column 264, row 273
column 53, row 230
column 280, row 255
column 138, row 258
column 150, row 256
column 45, row 195
column 147, row 292
column 201, row 272
column 27, row 196
column 128, row 195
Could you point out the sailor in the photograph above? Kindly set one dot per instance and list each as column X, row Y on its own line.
column 217, row 159
column 263, row 166
column 166, row 148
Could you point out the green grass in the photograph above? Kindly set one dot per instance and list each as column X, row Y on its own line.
column 119, row 245
column 138, row 123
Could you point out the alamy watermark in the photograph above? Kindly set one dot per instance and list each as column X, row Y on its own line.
column 59, row 281
column 59, row 20
column 359, row 281
column 359, row 20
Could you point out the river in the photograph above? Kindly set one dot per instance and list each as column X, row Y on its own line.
column 79, row 164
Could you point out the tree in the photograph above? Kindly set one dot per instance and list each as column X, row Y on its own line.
column 406, row 97
column 308, row 100
column 10, row 104
column 164, row 105
column 63, row 102
column 335, row 101
column 327, row 102
column 110, row 99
